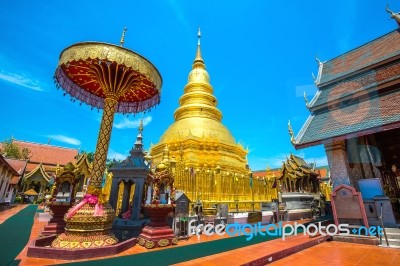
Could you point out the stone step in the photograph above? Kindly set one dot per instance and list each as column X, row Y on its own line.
column 390, row 246
column 393, row 235
column 392, row 230
column 394, row 242
column 366, row 240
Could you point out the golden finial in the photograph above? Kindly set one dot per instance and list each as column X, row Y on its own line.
column 198, row 36
column 292, row 140
column 121, row 42
column 198, row 61
column 305, row 98
column 393, row 15
column 141, row 125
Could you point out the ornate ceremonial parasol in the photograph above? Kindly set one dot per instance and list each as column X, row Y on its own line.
column 115, row 79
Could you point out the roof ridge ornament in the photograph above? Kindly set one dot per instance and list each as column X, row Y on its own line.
column 318, row 61
column 292, row 139
column 305, row 99
column 393, row 15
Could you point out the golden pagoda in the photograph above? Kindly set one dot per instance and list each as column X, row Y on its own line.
column 210, row 165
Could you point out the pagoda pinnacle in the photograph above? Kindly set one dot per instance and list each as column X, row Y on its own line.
column 198, row 60
column 139, row 137
column 141, row 126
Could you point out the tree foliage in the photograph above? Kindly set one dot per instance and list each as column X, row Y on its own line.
column 89, row 155
column 10, row 150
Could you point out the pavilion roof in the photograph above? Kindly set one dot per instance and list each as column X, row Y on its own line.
column 296, row 167
column 31, row 192
column 39, row 169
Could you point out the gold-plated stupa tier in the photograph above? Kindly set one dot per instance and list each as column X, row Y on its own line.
column 197, row 127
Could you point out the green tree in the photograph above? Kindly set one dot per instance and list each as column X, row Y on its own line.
column 10, row 150
column 90, row 155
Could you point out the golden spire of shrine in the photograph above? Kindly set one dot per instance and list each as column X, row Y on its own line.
column 121, row 42
column 141, row 125
column 198, row 61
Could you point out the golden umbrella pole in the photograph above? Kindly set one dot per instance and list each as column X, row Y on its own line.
column 103, row 141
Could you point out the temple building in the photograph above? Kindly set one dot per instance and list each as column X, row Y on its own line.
column 43, row 160
column 298, row 176
column 355, row 114
column 19, row 166
column 10, row 172
column 39, row 170
column 211, row 165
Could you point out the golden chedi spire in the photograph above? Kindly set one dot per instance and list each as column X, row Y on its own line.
column 197, row 134
column 198, row 114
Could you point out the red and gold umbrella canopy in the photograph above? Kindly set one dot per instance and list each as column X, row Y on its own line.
column 89, row 71
column 112, row 78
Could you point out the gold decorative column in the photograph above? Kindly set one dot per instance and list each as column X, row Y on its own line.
column 103, row 141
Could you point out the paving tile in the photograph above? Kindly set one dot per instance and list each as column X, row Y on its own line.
column 324, row 254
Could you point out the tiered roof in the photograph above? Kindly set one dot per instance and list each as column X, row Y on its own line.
column 322, row 171
column 47, row 154
column 296, row 167
column 358, row 93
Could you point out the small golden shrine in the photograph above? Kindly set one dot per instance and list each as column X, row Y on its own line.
column 68, row 183
column 159, row 202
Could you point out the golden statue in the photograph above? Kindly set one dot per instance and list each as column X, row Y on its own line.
column 106, row 190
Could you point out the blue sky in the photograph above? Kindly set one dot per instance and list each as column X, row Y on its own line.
column 259, row 54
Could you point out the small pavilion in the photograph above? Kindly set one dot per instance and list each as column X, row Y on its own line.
column 128, row 181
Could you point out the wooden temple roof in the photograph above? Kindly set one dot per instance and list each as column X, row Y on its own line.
column 358, row 93
column 296, row 167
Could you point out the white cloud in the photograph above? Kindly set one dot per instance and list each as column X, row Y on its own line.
column 65, row 139
column 126, row 123
column 115, row 155
column 20, row 80
column 179, row 13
